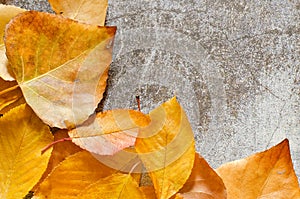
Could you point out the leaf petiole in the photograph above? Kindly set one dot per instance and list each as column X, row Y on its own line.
column 55, row 142
column 137, row 98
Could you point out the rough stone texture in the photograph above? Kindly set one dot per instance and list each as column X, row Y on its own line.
column 234, row 66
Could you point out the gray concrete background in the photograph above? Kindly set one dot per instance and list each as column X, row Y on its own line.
column 233, row 64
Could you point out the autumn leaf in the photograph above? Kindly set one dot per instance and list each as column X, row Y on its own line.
column 22, row 135
column 84, row 11
column 110, row 131
column 203, row 183
column 73, row 175
column 10, row 95
column 149, row 192
column 60, row 152
column 6, row 14
column 268, row 174
column 116, row 186
column 166, row 148
column 124, row 161
column 60, row 65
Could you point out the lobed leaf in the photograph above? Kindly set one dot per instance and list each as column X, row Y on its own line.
column 60, row 65
column 84, row 11
column 22, row 136
column 268, row 174
column 166, row 148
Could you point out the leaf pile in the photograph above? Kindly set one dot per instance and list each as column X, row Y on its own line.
column 53, row 71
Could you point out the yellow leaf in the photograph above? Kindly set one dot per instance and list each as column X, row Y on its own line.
column 203, row 183
column 116, row 186
column 267, row 175
column 6, row 14
column 22, row 136
column 166, row 148
column 84, row 11
column 110, row 131
column 60, row 65
column 10, row 95
column 73, row 175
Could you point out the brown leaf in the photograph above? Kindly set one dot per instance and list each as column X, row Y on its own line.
column 268, row 174
column 22, row 136
column 60, row 65
column 84, row 11
column 73, row 175
column 203, row 183
column 6, row 14
column 110, row 131
column 166, row 148
column 10, row 95
column 116, row 186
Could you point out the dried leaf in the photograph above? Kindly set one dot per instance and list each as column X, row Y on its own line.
column 116, row 186
column 60, row 152
column 10, row 95
column 60, row 65
column 110, row 131
column 6, row 14
column 166, row 148
column 73, row 175
column 126, row 160
column 149, row 192
column 22, row 136
column 84, row 11
column 203, row 183
column 268, row 174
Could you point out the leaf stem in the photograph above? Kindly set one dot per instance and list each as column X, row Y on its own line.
column 55, row 142
column 138, row 102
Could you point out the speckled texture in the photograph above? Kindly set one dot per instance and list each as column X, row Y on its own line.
column 234, row 66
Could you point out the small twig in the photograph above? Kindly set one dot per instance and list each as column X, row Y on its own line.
column 55, row 142
column 138, row 102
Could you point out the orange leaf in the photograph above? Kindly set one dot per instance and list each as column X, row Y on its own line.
column 60, row 65
column 166, row 148
column 110, row 131
column 60, row 152
column 73, row 175
column 10, row 95
column 84, row 11
column 149, row 192
column 203, row 182
column 268, row 174
column 115, row 186
column 6, row 14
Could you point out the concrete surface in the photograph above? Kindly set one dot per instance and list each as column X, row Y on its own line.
column 234, row 66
